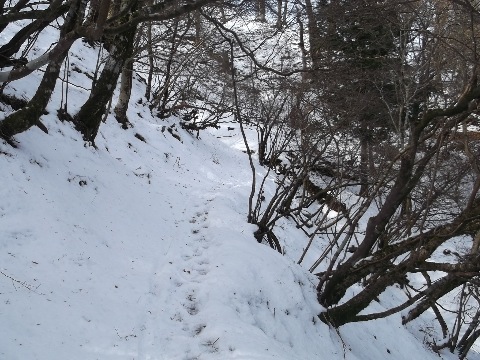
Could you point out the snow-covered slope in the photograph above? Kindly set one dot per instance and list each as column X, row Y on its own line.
column 141, row 250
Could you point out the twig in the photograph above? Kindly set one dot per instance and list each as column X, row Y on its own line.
column 21, row 283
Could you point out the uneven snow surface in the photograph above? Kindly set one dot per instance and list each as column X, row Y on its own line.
column 141, row 250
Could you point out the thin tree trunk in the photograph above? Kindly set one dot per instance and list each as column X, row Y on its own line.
column 279, row 14
column 148, row 88
column 436, row 291
column 468, row 344
column 404, row 183
column 165, row 92
column 363, row 163
column 313, row 35
column 198, row 26
column 383, row 272
column 261, row 10
column 301, row 44
column 375, row 226
column 223, row 17
column 121, row 108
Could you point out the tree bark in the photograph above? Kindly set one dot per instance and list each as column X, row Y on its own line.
column 364, row 178
column 279, row 14
column 375, row 227
column 121, row 108
column 29, row 116
column 90, row 115
column 383, row 272
column 314, row 36
column 198, row 26
column 261, row 10
column 436, row 291
column 148, row 88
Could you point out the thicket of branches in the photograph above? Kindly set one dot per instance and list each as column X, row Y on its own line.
column 367, row 112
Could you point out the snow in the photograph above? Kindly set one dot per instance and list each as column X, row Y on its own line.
column 138, row 251
column 141, row 250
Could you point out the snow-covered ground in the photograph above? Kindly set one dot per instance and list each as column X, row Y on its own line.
column 141, row 250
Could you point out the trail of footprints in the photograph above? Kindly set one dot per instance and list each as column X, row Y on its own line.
column 185, row 275
column 195, row 267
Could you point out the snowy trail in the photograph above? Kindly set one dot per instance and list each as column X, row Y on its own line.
column 178, row 280
column 172, row 316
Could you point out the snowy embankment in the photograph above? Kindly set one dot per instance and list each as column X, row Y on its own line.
column 140, row 250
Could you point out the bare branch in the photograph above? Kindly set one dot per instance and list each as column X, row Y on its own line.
column 62, row 45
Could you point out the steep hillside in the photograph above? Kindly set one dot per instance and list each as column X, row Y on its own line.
column 139, row 249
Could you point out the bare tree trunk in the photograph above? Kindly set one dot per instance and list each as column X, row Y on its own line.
column 163, row 96
column 222, row 13
column 406, row 179
column 279, row 14
column 469, row 337
column 313, row 35
column 148, row 88
column 383, row 272
column 285, row 8
column 198, row 26
column 301, row 44
column 121, row 108
column 29, row 116
column 436, row 291
column 261, row 10
column 468, row 344
column 363, row 162
column 90, row 115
